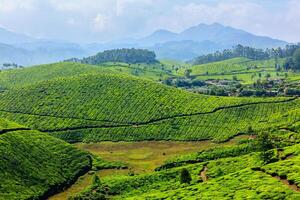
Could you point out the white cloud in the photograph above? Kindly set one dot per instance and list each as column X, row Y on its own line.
column 191, row 14
column 14, row 5
column 109, row 19
column 101, row 23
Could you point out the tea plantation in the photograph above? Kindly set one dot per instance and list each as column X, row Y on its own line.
column 34, row 165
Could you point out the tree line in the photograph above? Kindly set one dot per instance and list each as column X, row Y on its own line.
column 130, row 56
column 247, row 52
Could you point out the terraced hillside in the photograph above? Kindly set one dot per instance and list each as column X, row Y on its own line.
column 30, row 75
column 6, row 126
column 34, row 165
column 120, row 107
column 246, row 70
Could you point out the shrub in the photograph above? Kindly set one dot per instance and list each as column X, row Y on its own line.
column 185, row 176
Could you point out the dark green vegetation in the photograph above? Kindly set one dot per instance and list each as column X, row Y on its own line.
column 247, row 52
column 130, row 56
column 296, row 57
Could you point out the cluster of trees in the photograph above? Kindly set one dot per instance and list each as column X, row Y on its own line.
column 184, row 82
column 247, row 52
column 131, row 56
column 293, row 62
column 10, row 66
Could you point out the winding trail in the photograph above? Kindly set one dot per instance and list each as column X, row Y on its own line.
column 55, row 116
column 282, row 179
column 152, row 121
column 203, row 175
column 149, row 122
column 3, row 131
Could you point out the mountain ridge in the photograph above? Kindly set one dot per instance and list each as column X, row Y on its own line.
column 194, row 41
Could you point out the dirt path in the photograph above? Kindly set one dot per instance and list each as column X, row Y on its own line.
column 287, row 183
column 136, row 124
column 283, row 180
column 203, row 173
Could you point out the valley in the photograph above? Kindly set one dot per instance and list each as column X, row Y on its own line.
column 140, row 157
column 149, row 100
column 116, row 130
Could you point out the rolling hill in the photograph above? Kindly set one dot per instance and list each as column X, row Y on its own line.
column 31, row 75
column 97, row 107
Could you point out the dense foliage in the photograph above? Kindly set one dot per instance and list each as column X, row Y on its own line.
column 247, row 52
column 131, row 56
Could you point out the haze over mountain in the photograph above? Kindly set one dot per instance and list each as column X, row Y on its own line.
column 194, row 41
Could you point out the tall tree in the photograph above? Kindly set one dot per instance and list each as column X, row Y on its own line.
column 296, row 59
column 185, row 176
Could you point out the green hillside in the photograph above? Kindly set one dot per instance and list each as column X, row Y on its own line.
column 246, row 70
column 121, row 102
column 34, row 165
column 31, row 75
column 227, row 177
column 8, row 125
column 120, row 107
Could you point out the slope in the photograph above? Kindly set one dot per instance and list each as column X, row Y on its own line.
column 120, row 107
column 34, row 165
column 35, row 74
column 227, row 177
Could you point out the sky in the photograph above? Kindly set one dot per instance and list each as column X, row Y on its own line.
column 107, row 20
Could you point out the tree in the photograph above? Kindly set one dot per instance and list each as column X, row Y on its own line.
column 130, row 56
column 187, row 73
column 296, row 59
column 288, row 64
column 250, row 130
column 265, row 144
column 96, row 181
column 185, row 176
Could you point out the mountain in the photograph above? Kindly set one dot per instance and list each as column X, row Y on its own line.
column 159, row 36
column 185, row 49
column 227, row 35
column 11, row 54
column 192, row 42
column 9, row 37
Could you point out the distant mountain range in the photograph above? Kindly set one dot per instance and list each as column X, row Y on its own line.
column 194, row 41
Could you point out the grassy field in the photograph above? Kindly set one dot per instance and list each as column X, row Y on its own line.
column 145, row 156
column 141, row 157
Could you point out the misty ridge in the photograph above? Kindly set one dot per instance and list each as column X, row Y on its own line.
column 192, row 42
